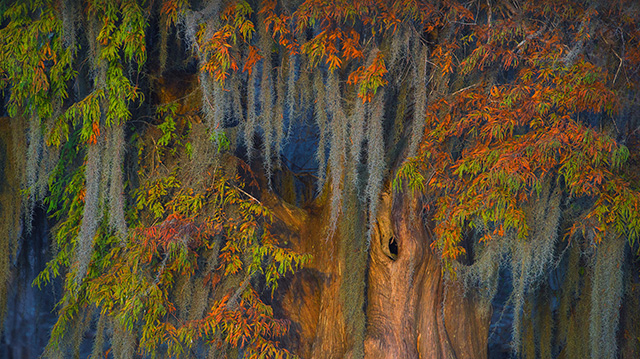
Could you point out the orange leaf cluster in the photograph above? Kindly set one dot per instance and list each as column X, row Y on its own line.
column 515, row 136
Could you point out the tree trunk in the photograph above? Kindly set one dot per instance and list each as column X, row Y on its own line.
column 411, row 311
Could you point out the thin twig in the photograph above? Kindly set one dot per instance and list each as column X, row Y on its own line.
column 247, row 194
column 463, row 89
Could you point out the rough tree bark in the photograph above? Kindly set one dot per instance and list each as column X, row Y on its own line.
column 411, row 311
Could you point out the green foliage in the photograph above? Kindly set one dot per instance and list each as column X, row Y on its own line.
column 409, row 172
column 174, row 131
column 131, row 277
column 150, row 195
column 221, row 139
column 168, row 126
column 137, row 281
column 33, row 60
column 135, row 284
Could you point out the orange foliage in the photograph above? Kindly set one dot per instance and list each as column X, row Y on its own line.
column 342, row 30
column 522, row 133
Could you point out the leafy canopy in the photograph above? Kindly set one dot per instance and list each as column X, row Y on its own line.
column 514, row 92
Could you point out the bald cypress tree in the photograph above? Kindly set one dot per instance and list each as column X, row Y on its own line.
column 327, row 178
